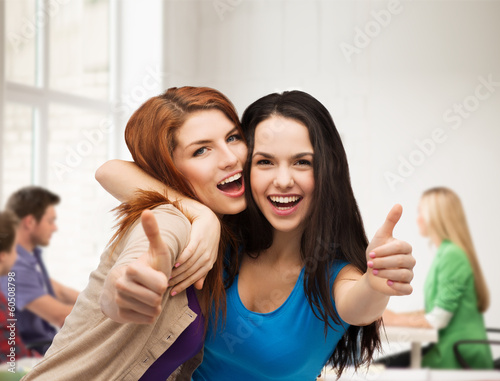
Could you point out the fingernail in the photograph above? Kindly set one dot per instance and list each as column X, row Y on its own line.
column 390, row 282
column 372, row 254
column 375, row 272
column 370, row 264
column 173, row 293
column 177, row 265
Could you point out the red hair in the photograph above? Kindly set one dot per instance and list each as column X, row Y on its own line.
column 151, row 139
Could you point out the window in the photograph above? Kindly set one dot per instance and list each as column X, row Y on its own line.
column 57, row 117
column 17, row 160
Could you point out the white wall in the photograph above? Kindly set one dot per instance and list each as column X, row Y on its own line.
column 418, row 63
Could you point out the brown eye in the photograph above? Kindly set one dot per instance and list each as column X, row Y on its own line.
column 304, row 163
column 263, row 162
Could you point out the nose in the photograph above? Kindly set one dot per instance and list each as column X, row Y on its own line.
column 228, row 159
column 283, row 179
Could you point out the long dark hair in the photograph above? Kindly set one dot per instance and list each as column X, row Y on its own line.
column 335, row 228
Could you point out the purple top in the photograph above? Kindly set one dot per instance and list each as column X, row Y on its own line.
column 187, row 345
column 31, row 282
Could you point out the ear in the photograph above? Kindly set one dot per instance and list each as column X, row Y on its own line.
column 28, row 222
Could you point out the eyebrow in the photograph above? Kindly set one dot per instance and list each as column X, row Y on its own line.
column 206, row 141
column 270, row 156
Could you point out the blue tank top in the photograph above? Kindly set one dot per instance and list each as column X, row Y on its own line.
column 288, row 343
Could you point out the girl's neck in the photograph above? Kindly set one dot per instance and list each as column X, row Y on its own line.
column 435, row 239
column 285, row 248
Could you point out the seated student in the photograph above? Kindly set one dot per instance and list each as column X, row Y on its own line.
column 11, row 346
column 42, row 304
column 456, row 294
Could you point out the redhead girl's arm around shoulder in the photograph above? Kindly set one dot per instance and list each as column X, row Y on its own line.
column 361, row 299
column 133, row 291
column 123, row 178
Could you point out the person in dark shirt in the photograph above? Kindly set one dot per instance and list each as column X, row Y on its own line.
column 42, row 303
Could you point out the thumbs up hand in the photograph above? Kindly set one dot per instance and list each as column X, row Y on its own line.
column 133, row 293
column 159, row 256
column 390, row 261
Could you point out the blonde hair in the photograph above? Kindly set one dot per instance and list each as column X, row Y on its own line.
column 445, row 217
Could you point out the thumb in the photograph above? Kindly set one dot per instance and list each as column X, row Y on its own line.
column 158, row 250
column 199, row 283
column 387, row 229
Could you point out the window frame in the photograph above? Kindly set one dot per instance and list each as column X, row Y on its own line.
column 40, row 97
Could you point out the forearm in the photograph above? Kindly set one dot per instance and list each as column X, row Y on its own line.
column 413, row 319
column 69, row 296
column 65, row 294
column 413, row 313
column 122, row 179
column 50, row 309
column 359, row 304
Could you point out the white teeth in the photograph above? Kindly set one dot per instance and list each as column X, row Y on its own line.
column 284, row 200
column 283, row 208
column 230, row 179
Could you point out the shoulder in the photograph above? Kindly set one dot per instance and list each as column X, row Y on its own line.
column 174, row 229
column 449, row 251
column 340, row 267
column 172, row 222
column 453, row 259
column 168, row 217
column 342, row 270
column 25, row 264
column 168, row 214
column 24, row 259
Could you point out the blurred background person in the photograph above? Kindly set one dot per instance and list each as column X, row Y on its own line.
column 42, row 304
column 8, row 338
column 456, row 294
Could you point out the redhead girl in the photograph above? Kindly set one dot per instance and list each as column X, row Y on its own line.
column 191, row 139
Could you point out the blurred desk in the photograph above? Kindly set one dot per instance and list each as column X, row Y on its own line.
column 415, row 336
column 23, row 366
column 379, row 373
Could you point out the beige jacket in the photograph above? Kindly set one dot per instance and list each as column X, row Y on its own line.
column 91, row 346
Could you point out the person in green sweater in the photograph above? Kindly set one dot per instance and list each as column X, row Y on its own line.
column 455, row 291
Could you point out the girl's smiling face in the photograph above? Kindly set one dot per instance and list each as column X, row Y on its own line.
column 210, row 153
column 282, row 176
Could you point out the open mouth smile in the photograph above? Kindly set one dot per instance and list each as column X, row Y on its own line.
column 232, row 186
column 284, row 203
